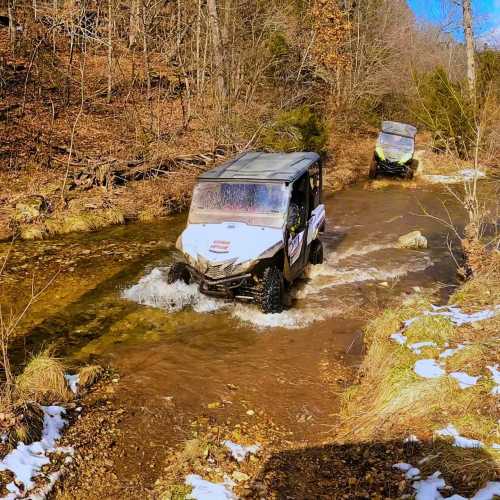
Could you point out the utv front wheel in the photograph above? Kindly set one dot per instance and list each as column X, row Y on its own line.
column 271, row 291
column 372, row 174
column 178, row 272
column 316, row 253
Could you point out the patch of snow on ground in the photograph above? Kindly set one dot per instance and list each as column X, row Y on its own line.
column 459, row 441
column 460, row 318
column 399, row 338
column 489, row 492
column 73, row 381
column 428, row 489
column 239, row 452
column 428, row 368
column 417, row 346
column 26, row 461
column 495, row 374
column 447, row 353
column 205, row 490
column 464, row 380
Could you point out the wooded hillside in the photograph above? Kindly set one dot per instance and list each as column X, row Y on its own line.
column 147, row 93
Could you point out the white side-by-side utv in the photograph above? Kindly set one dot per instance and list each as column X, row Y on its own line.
column 253, row 227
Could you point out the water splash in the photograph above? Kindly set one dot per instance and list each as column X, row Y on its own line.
column 154, row 291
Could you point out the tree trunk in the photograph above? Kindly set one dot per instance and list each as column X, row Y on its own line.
column 12, row 25
column 469, row 44
column 110, row 50
column 135, row 22
column 217, row 48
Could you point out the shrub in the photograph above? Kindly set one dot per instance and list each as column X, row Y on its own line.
column 443, row 106
column 300, row 129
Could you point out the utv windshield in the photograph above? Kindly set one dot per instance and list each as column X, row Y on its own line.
column 394, row 141
column 255, row 204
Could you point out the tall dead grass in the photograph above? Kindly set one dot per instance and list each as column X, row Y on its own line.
column 392, row 402
column 43, row 379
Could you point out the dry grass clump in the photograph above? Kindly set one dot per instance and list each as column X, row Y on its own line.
column 484, row 290
column 27, row 424
column 89, row 375
column 43, row 379
column 436, row 329
column 467, row 469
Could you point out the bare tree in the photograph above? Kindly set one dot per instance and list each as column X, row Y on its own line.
column 469, row 44
column 218, row 53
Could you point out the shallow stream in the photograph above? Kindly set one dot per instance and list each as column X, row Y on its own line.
column 178, row 352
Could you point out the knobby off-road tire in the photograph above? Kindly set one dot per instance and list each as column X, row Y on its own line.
column 372, row 174
column 271, row 291
column 178, row 272
column 316, row 253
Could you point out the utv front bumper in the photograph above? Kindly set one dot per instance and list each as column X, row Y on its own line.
column 240, row 287
column 388, row 167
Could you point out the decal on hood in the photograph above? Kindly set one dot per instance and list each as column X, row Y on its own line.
column 220, row 246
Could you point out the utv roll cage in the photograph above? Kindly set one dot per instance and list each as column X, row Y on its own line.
column 264, row 167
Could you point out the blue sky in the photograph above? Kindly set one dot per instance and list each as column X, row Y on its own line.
column 486, row 14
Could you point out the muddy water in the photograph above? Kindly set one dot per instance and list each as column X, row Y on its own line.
column 182, row 355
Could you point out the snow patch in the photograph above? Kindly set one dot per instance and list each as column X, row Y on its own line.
column 428, row 489
column 464, row 380
column 26, row 461
column 399, row 338
column 239, row 452
column 489, row 492
column 73, row 382
column 460, row 318
column 459, row 441
column 447, row 353
column 495, row 374
column 428, row 368
column 417, row 346
column 205, row 490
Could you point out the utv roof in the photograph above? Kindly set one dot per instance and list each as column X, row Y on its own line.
column 399, row 129
column 257, row 166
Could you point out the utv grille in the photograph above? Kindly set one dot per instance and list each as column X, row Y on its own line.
column 220, row 270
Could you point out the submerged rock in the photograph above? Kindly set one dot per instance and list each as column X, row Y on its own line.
column 415, row 239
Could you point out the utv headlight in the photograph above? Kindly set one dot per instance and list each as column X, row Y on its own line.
column 380, row 152
column 405, row 158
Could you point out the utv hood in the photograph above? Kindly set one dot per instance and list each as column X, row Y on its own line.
column 204, row 244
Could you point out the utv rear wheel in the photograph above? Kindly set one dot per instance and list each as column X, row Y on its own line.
column 178, row 272
column 271, row 291
column 373, row 169
column 316, row 253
